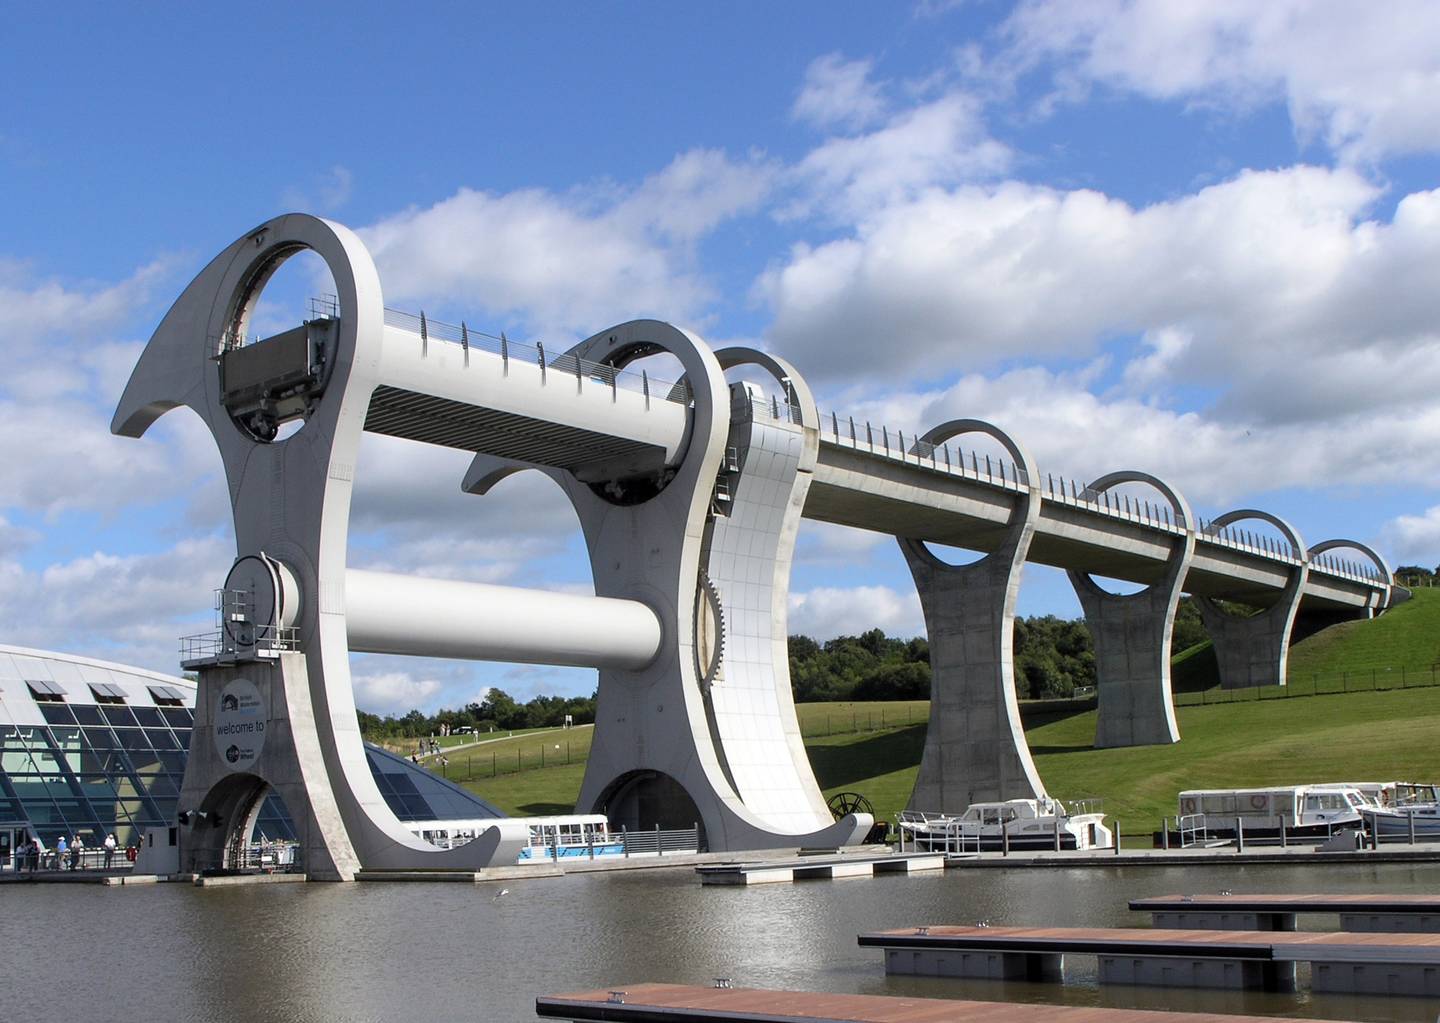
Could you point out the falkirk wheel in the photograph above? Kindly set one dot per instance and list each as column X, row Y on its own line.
column 689, row 495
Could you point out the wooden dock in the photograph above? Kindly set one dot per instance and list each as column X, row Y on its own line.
column 1386, row 913
column 811, row 868
column 1372, row 963
column 678, row 1003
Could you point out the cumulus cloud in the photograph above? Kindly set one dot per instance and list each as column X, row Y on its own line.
column 569, row 263
column 1076, row 433
column 129, row 608
column 1273, row 287
column 36, row 311
column 1361, row 80
column 937, row 143
column 839, row 93
column 825, row 612
column 1413, row 539
column 394, row 692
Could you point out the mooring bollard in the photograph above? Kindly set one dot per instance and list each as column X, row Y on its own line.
column 1165, row 831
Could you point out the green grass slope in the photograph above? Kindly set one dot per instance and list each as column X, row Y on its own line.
column 1407, row 637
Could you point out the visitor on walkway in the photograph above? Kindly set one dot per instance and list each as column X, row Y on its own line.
column 75, row 852
column 61, row 849
column 34, row 855
column 109, row 849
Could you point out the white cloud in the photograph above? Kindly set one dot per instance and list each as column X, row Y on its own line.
column 825, row 612
column 394, row 692
column 129, row 608
column 1413, row 539
column 939, row 143
column 839, row 93
column 1294, row 305
column 568, row 264
column 1073, row 432
column 1362, row 79
column 49, row 312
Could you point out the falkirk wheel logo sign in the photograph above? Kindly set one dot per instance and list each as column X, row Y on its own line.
column 239, row 728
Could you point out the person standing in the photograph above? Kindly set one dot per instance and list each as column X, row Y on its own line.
column 109, row 849
column 61, row 849
column 76, row 849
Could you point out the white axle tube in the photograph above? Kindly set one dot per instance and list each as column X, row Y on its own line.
column 401, row 614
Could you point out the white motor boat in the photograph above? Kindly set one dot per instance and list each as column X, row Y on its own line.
column 1009, row 824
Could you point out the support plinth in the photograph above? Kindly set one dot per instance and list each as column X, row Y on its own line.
column 975, row 749
column 1131, row 633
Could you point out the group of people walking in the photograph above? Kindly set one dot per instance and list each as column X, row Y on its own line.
column 66, row 855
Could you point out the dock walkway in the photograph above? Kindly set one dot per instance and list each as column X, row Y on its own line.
column 1357, row 912
column 809, row 868
column 1373, row 963
column 678, row 1003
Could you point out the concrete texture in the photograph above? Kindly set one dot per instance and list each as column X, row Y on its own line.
column 1254, row 651
column 1132, row 636
column 975, row 747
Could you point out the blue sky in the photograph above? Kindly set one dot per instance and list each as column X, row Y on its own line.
column 1196, row 239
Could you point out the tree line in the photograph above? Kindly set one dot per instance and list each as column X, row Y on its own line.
column 498, row 710
column 1054, row 657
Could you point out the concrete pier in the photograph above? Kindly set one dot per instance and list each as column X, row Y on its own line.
column 1394, row 964
column 721, row 1003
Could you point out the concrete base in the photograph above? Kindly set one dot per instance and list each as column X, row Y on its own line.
column 1392, row 923
column 983, row 965
column 1177, row 971
column 1415, row 979
column 1221, row 920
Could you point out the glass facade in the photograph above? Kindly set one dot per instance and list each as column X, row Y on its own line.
column 95, row 770
column 102, row 750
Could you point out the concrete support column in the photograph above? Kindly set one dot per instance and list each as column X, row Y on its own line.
column 1131, row 633
column 975, row 747
column 1253, row 651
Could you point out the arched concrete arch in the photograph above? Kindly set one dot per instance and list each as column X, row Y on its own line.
column 1255, row 651
column 1132, row 632
column 975, row 747
column 752, row 703
column 665, row 721
column 1355, row 545
column 1309, row 621
column 291, row 502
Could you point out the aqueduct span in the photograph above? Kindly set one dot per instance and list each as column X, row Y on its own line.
column 689, row 495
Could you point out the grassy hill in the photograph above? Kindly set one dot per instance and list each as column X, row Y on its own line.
column 1385, row 734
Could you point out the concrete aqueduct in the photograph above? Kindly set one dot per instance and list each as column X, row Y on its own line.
column 689, row 495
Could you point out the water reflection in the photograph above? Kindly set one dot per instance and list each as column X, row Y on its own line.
column 448, row 951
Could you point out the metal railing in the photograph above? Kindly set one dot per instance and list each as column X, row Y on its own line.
column 881, row 441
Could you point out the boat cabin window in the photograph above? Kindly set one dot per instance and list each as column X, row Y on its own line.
column 1326, row 801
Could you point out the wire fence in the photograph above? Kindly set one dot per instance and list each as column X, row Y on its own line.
column 1360, row 680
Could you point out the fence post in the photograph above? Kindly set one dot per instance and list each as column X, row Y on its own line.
column 1117, row 837
column 492, row 765
column 625, row 841
column 1165, row 831
column 540, row 355
column 1239, row 834
column 1057, row 831
column 659, row 851
column 1409, row 822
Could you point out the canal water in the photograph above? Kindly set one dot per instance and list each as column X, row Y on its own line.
column 425, row 952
